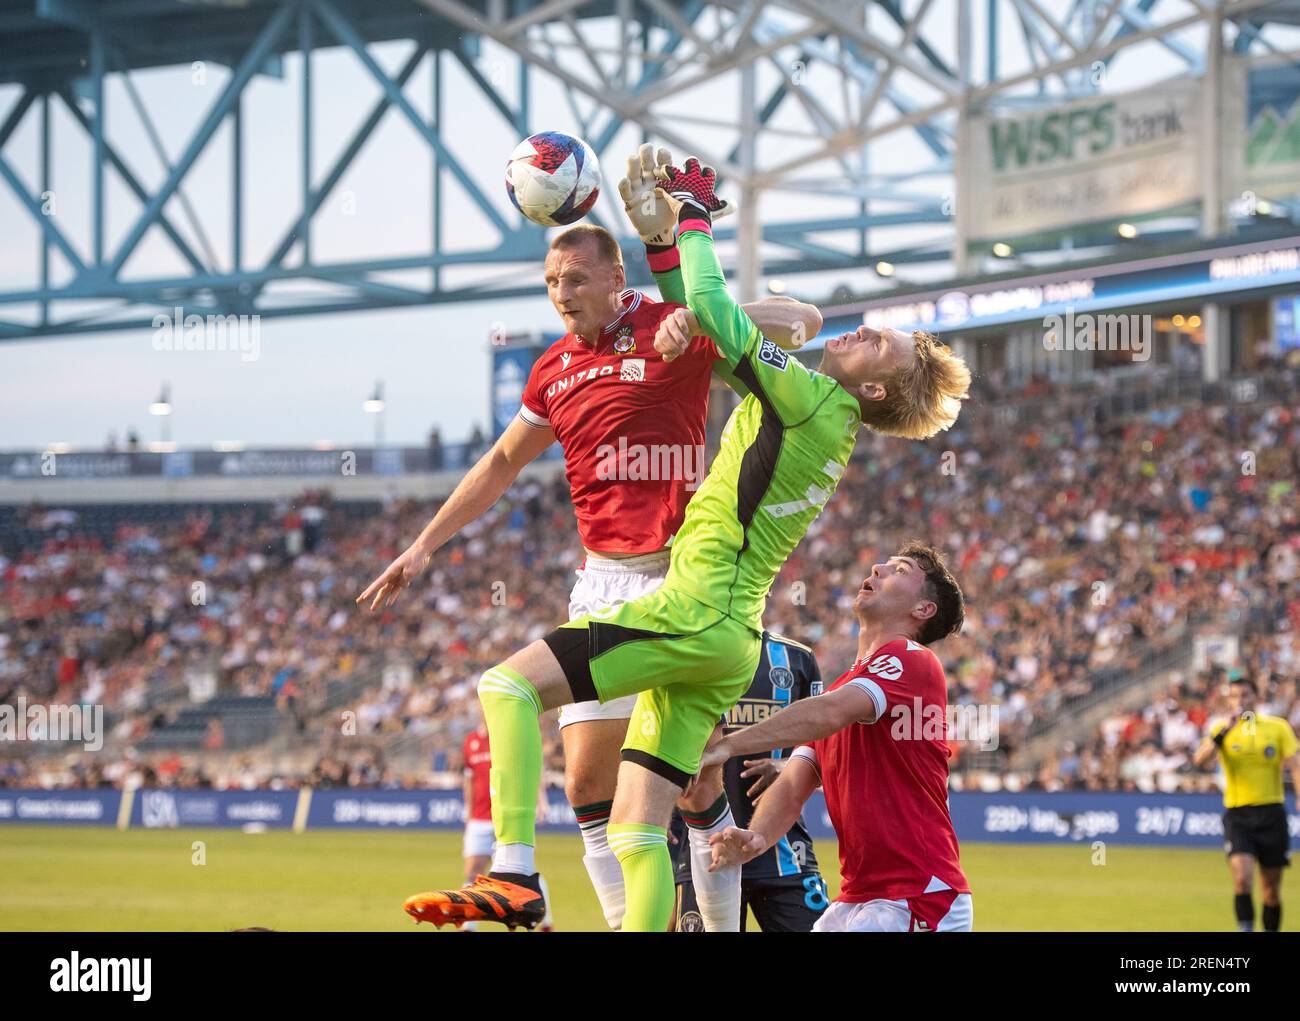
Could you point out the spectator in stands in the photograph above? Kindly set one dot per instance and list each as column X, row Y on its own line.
column 435, row 449
column 1089, row 549
column 476, row 446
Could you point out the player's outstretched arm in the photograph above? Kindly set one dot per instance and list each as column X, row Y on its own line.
column 787, row 322
column 654, row 220
column 482, row 486
column 719, row 314
column 805, row 721
column 776, row 812
column 688, row 191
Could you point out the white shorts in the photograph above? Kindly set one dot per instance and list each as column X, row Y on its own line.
column 480, row 839
column 918, row 914
column 604, row 583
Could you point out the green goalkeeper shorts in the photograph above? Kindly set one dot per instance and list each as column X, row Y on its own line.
column 690, row 662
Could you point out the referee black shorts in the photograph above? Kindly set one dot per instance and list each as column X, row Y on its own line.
column 1260, row 831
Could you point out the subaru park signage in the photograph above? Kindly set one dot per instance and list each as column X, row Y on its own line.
column 1108, row 157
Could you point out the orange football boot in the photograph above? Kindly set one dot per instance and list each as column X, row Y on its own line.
column 484, row 900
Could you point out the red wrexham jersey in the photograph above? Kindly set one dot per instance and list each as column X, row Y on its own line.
column 886, row 783
column 631, row 425
column 478, row 764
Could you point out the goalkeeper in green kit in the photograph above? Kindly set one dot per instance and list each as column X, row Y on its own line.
column 691, row 647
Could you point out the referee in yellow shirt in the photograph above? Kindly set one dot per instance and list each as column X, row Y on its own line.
column 1252, row 748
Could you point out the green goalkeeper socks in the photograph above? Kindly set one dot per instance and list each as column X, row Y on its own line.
column 642, row 851
column 511, row 706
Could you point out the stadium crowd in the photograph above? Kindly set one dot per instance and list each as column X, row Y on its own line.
column 1086, row 545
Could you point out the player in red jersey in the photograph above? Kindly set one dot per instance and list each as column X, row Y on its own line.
column 886, row 782
column 479, row 837
column 476, row 758
column 632, row 427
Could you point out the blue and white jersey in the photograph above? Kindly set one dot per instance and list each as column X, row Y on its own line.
column 787, row 672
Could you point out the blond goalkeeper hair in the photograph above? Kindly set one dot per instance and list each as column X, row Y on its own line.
column 922, row 398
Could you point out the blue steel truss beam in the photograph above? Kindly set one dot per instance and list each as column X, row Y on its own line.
column 33, row 206
column 253, row 59
column 347, row 34
column 264, row 35
column 317, row 196
column 15, row 115
column 133, row 183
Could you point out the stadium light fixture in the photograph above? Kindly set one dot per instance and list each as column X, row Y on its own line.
column 1127, row 231
column 1193, row 322
column 776, row 286
column 1178, row 321
column 57, row 448
column 228, row 446
column 1263, row 207
column 162, row 407
column 375, row 406
column 885, row 269
column 1002, row 250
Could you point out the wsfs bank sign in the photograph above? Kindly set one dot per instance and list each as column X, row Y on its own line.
column 1113, row 156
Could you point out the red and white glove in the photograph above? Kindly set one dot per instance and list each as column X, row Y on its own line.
column 690, row 189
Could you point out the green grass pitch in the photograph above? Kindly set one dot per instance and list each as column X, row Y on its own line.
column 74, row 878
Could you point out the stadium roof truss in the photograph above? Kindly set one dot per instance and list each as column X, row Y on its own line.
column 849, row 110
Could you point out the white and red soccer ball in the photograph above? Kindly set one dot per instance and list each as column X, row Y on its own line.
column 553, row 178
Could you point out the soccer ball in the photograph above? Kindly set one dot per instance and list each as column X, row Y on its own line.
column 553, row 178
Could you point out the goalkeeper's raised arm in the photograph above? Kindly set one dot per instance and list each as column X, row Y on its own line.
column 786, row 321
column 690, row 192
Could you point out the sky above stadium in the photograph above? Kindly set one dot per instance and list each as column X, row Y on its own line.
column 312, row 373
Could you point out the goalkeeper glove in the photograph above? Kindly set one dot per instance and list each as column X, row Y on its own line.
column 653, row 217
column 690, row 191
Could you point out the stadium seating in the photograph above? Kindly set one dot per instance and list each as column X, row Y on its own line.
column 1087, row 538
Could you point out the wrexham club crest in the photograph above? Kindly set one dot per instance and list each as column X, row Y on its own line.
column 624, row 342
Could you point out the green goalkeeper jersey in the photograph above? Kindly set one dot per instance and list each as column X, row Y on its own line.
column 783, row 453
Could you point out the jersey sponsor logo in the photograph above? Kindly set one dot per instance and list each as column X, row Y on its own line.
column 770, row 354
column 569, row 382
column 633, row 370
column 888, row 667
column 749, row 711
column 624, row 342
